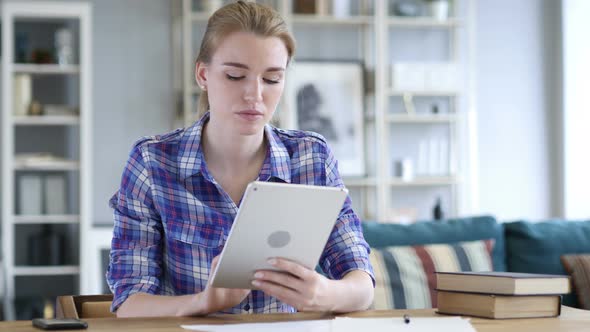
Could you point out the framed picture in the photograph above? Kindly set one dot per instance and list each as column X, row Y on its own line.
column 327, row 97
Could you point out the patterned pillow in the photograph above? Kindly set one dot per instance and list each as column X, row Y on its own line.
column 578, row 267
column 404, row 275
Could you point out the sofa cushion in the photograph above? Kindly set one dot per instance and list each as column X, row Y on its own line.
column 578, row 267
column 380, row 235
column 404, row 275
column 537, row 247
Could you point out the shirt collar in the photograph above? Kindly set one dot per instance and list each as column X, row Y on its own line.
column 190, row 154
column 191, row 159
column 279, row 161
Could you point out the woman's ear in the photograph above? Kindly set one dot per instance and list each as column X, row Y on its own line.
column 201, row 72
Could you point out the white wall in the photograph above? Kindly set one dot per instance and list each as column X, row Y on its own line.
column 133, row 94
column 576, row 56
column 516, row 71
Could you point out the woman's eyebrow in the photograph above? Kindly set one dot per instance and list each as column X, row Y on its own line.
column 236, row 64
column 241, row 65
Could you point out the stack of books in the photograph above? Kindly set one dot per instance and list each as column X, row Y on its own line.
column 500, row 294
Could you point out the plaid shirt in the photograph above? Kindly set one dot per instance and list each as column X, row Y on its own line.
column 172, row 218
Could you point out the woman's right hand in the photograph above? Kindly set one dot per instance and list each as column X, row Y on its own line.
column 216, row 299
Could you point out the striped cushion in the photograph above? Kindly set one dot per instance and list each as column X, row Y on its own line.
column 404, row 275
column 578, row 267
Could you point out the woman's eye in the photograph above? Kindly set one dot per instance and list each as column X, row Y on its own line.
column 269, row 81
column 233, row 78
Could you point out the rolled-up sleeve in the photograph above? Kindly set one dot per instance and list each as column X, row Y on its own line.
column 346, row 249
column 136, row 248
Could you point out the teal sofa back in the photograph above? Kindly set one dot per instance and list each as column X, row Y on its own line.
column 537, row 247
column 380, row 235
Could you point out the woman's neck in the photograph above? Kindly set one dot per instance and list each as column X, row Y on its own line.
column 230, row 152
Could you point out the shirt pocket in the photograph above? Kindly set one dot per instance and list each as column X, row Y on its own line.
column 203, row 235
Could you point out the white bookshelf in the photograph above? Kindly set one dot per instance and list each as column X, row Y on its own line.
column 46, row 270
column 376, row 25
column 423, row 181
column 46, row 120
column 420, row 118
column 331, row 20
column 423, row 93
column 80, row 143
column 422, row 22
column 359, row 182
column 47, row 219
column 43, row 69
column 65, row 165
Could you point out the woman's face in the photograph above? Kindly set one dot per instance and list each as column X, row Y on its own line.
column 244, row 81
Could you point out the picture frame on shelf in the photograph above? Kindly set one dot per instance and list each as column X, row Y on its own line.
column 327, row 97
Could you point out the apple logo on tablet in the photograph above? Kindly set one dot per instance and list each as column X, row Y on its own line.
column 279, row 239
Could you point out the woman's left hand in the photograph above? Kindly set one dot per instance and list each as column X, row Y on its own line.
column 296, row 285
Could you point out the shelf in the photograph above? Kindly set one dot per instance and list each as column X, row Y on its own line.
column 416, row 118
column 45, row 69
column 422, row 22
column 328, row 20
column 47, row 219
column 426, row 93
column 56, row 165
column 423, row 181
column 360, row 182
column 47, row 120
column 46, row 270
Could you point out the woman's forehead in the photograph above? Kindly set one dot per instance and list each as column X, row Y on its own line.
column 252, row 51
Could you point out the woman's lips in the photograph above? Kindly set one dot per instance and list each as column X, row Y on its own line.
column 250, row 115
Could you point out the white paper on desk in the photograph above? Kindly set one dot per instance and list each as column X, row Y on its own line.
column 346, row 324
column 292, row 326
column 418, row 324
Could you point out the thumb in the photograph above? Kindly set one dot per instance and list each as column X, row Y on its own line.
column 213, row 267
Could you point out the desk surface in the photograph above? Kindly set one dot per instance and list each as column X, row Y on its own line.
column 570, row 320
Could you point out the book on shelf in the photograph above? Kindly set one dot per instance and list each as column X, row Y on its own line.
column 22, row 94
column 30, row 194
column 498, row 306
column 507, row 283
column 55, row 194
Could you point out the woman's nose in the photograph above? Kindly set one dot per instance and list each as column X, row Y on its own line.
column 253, row 91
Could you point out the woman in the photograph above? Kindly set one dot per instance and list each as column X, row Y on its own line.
column 180, row 192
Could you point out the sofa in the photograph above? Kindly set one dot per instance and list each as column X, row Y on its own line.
column 405, row 256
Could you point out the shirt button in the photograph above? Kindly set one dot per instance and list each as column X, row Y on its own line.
column 247, row 306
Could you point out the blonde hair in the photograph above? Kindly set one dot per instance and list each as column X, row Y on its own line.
column 241, row 16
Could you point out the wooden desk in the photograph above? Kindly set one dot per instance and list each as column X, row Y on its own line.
column 574, row 320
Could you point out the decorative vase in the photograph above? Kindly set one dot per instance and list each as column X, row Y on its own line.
column 439, row 9
column 341, row 8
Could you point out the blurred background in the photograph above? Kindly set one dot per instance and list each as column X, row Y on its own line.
column 435, row 109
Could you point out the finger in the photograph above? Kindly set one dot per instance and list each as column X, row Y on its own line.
column 214, row 262
column 281, row 278
column 295, row 269
column 213, row 267
column 282, row 293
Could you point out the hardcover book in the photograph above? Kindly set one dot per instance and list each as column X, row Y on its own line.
column 508, row 283
column 498, row 306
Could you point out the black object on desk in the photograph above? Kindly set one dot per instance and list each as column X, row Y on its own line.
column 60, row 324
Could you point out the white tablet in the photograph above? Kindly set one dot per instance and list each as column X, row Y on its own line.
column 292, row 221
